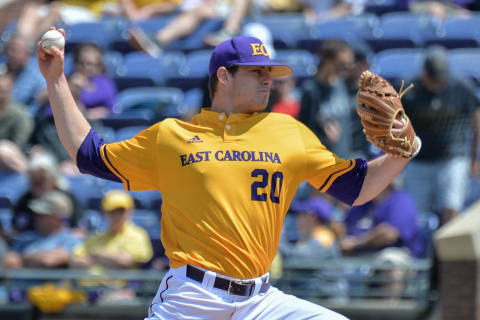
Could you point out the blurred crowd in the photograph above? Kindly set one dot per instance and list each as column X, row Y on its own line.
column 49, row 224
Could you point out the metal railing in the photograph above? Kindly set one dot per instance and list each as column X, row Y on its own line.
column 355, row 287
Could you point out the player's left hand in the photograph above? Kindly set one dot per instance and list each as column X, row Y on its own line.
column 384, row 120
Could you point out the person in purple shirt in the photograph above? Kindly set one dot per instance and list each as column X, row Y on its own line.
column 390, row 220
column 92, row 88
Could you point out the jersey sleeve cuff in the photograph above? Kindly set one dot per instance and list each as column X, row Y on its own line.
column 89, row 159
column 346, row 187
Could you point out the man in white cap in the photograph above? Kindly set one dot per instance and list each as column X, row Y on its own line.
column 50, row 245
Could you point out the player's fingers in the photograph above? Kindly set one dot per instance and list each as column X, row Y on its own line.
column 61, row 31
column 56, row 52
column 398, row 124
column 40, row 52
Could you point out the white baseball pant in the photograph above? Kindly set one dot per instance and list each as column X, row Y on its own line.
column 179, row 297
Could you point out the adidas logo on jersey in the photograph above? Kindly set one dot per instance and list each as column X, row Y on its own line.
column 195, row 139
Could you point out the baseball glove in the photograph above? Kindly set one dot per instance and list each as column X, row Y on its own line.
column 379, row 106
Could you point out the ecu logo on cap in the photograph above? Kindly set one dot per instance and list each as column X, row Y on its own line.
column 259, row 49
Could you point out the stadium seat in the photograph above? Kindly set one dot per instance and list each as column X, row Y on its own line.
column 5, row 202
column 398, row 64
column 128, row 132
column 380, row 7
column 12, row 186
column 112, row 61
column 161, row 101
column 303, row 63
column 122, row 42
column 152, row 25
column 83, row 187
column 8, row 31
column 102, row 33
column 140, row 67
column 348, row 28
column 6, row 216
column 465, row 63
column 107, row 133
column 148, row 220
column 401, row 30
column 285, row 38
column 351, row 28
column 101, row 187
column 457, row 32
column 192, row 101
column 134, row 117
column 147, row 199
column 194, row 41
column 143, row 200
column 194, row 72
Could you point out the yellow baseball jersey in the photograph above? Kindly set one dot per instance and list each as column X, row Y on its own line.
column 226, row 182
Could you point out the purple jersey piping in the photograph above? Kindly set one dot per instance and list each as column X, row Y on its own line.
column 333, row 173
column 346, row 187
column 113, row 167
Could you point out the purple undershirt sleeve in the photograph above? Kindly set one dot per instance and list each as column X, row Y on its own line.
column 346, row 188
column 89, row 159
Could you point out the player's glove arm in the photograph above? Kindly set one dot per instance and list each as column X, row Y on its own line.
column 89, row 160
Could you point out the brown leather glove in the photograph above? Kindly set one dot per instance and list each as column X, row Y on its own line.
column 379, row 106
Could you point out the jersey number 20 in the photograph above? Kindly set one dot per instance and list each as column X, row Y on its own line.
column 275, row 185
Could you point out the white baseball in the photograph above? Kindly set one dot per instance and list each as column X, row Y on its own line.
column 52, row 38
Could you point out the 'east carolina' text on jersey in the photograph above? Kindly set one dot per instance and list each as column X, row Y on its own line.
column 227, row 182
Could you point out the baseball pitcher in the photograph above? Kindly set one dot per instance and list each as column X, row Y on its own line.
column 228, row 176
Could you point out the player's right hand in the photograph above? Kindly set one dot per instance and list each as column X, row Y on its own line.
column 51, row 65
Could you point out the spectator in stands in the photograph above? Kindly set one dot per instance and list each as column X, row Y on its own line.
column 316, row 245
column 444, row 111
column 16, row 126
column 393, row 268
column 27, row 79
column 277, row 6
column 361, row 51
column 44, row 177
column 325, row 103
column 390, row 220
column 283, row 98
column 38, row 16
column 94, row 92
column 52, row 242
column 97, row 91
column 123, row 246
column 321, row 11
column 232, row 24
column 438, row 9
column 317, row 240
column 136, row 10
column 193, row 13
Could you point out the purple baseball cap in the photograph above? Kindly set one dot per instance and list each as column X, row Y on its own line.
column 245, row 51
